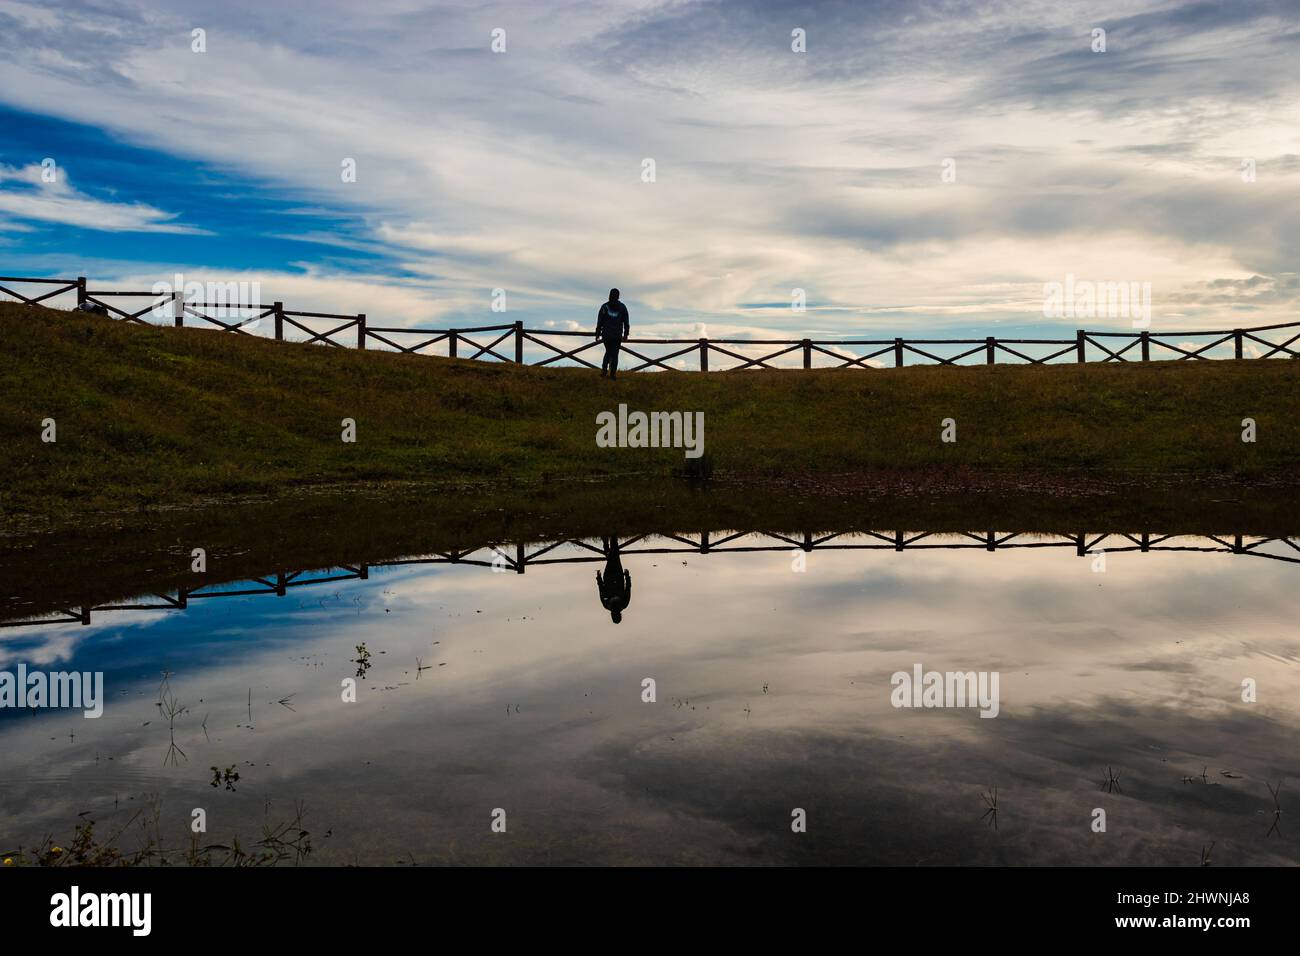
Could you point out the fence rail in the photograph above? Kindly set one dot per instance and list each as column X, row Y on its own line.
column 518, row 557
column 514, row 343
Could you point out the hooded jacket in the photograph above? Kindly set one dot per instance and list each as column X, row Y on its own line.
column 612, row 322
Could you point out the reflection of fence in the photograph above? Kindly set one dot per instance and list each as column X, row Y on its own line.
column 515, row 343
column 518, row 557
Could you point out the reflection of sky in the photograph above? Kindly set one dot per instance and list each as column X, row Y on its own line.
column 532, row 703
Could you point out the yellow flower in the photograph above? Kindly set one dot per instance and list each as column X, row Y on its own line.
column 57, row 849
column 9, row 861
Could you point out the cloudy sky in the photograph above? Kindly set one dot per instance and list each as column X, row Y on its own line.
column 774, row 170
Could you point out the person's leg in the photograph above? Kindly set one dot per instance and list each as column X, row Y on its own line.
column 611, row 356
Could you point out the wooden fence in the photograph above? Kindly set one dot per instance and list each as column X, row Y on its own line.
column 514, row 343
column 518, row 557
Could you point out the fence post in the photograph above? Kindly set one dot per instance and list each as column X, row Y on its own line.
column 81, row 290
column 1236, row 342
column 1146, row 346
column 521, row 561
column 451, row 343
column 704, row 355
column 807, row 353
column 898, row 353
column 361, row 330
column 519, row 343
column 1080, row 344
column 178, row 308
column 279, row 321
column 988, row 350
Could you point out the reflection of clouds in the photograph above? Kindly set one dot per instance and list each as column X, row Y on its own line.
column 56, row 643
column 538, row 708
column 46, row 644
column 876, row 796
column 1181, row 667
column 1284, row 652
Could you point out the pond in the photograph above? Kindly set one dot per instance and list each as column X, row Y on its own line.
column 741, row 710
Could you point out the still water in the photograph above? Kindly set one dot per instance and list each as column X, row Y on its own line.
column 487, row 695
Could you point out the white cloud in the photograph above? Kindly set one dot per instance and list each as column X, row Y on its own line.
column 774, row 170
column 35, row 199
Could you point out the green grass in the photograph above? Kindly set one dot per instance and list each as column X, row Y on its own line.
column 165, row 415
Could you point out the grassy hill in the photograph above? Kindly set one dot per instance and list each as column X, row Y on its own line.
column 165, row 416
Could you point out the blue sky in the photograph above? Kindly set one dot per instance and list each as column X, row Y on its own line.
column 216, row 232
column 774, row 169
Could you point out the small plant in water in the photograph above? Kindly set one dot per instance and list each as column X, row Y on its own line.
column 1111, row 782
column 170, row 708
column 82, row 850
column 1277, row 808
column 229, row 776
column 991, row 802
column 285, row 842
column 362, row 660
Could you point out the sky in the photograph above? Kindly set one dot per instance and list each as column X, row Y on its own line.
column 916, row 168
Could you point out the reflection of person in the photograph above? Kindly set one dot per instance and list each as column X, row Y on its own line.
column 616, row 586
column 612, row 327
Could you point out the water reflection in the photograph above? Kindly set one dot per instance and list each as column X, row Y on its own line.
column 616, row 586
column 771, row 656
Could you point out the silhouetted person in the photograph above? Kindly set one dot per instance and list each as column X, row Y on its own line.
column 612, row 327
column 616, row 586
